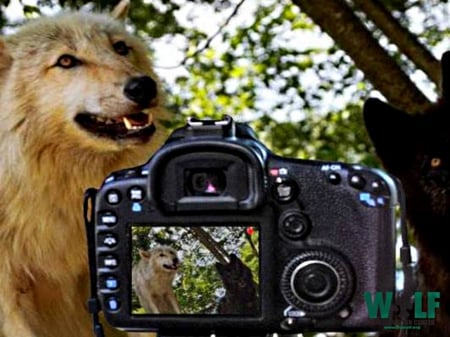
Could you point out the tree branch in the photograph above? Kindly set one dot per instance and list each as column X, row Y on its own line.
column 406, row 42
column 209, row 40
column 219, row 30
column 337, row 19
column 216, row 249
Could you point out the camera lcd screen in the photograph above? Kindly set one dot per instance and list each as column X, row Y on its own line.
column 195, row 269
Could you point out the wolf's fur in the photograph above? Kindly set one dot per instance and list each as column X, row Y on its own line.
column 241, row 296
column 47, row 162
column 416, row 148
column 153, row 276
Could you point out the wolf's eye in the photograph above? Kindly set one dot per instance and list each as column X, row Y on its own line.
column 121, row 48
column 435, row 162
column 67, row 61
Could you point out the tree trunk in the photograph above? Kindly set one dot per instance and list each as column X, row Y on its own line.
column 215, row 248
column 337, row 19
column 406, row 42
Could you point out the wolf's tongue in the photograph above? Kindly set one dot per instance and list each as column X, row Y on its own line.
column 136, row 121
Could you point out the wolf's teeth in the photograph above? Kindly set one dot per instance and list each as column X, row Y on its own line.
column 127, row 123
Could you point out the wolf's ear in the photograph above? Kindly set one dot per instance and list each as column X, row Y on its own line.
column 392, row 132
column 145, row 254
column 234, row 259
column 120, row 12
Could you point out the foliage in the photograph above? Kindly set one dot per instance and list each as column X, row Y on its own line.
column 315, row 137
column 261, row 77
column 272, row 68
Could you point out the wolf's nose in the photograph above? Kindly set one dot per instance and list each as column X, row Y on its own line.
column 141, row 90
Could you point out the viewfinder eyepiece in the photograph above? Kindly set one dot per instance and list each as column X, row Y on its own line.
column 205, row 182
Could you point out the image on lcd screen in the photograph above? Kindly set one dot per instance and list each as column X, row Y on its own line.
column 195, row 270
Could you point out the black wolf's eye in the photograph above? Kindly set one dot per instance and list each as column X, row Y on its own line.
column 67, row 61
column 435, row 162
column 121, row 48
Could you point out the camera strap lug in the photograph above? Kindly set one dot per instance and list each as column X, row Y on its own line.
column 93, row 302
column 410, row 284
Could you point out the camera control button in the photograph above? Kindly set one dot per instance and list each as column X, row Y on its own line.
column 285, row 190
column 294, row 225
column 131, row 173
column 108, row 219
column 370, row 200
column 357, row 181
column 113, row 197
column 318, row 281
column 110, row 179
column 334, row 178
column 109, row 240
column 111, row 283
column 110, row 261
column 378, row 186
column 112, row 303
column 136, row 193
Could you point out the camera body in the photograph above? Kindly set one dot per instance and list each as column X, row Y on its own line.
column 287, row 245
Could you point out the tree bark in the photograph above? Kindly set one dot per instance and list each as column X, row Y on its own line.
column 406, row 42
column 337, row 19
column 215, row 248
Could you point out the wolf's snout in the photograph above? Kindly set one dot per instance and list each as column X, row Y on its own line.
column 141, row 90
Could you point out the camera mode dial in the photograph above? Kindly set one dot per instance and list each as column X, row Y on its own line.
column 318, row 282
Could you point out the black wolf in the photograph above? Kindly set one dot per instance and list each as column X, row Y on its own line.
column 416, row 149
column 241, row 294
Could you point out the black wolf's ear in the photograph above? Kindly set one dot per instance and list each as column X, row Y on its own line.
column 233, row 257
column 392, row 132
column 445, row 76
column 120, row 12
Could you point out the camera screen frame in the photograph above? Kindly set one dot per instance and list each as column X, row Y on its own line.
column 197, row 264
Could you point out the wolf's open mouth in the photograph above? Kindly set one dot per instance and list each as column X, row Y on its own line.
column 138, row 125
column 170, row 267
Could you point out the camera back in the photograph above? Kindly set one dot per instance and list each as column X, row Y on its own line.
column 259, row 243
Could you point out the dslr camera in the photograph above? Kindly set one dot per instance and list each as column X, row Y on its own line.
column 216, row 234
